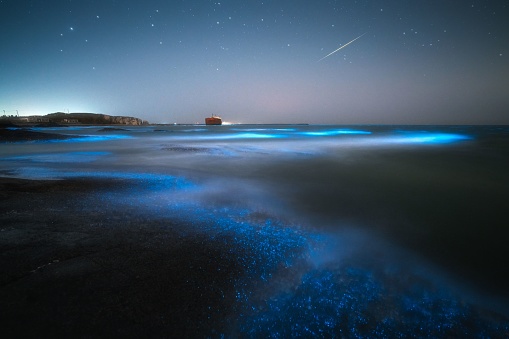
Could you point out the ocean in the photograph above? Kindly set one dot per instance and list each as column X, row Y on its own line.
column 354, row 231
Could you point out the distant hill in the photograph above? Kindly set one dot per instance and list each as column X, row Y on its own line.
column 94, row 119
column 59, row 118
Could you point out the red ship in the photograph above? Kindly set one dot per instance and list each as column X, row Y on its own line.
column 213, row 120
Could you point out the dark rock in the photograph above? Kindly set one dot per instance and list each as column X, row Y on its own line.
column 20, row 135
column 7, row 124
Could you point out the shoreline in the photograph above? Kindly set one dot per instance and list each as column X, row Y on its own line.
column 145, row 237
column 73, row 270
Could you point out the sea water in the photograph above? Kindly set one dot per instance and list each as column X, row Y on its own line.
column 356, row 231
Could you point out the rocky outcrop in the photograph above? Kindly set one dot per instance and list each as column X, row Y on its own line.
column 96, row 119
column 120, row 120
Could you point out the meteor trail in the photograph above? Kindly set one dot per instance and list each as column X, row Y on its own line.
column 348, row 43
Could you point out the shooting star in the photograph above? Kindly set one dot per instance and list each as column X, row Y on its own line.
column 348, row 43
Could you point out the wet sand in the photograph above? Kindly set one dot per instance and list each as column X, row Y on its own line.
column 70, row 270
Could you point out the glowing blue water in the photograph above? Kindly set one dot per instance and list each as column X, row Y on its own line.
column 282, row 294
column 247, row 135
column 92, row 138
column 284, row 289
column 432, row 138
column 334, row 132
column 60, row 157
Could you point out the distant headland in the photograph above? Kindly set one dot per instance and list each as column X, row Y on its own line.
column 61, row 118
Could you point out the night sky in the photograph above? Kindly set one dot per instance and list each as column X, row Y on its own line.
column 423, row 62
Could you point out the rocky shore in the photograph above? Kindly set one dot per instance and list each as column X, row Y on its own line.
column 26, row 135
column 75, row 268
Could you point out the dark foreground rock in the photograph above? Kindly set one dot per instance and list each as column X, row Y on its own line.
column 72, row 268
column 7, row 124
column 21, row 135
column 112, row 129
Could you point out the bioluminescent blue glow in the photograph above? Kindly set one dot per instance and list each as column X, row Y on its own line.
column 266, row 250
column 283, row 294
column 93, row 138
column 243, row 136
column 194, row 130
column 431, row 138
column 147, row 181
column 61, row 129
column 293, row 278
column 347, row 302
column 264, row 129
column 78, row 139
column 333, row 132
column 60, row 157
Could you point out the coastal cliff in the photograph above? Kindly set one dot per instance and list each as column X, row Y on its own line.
column 94, row 119
column 60, row 118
